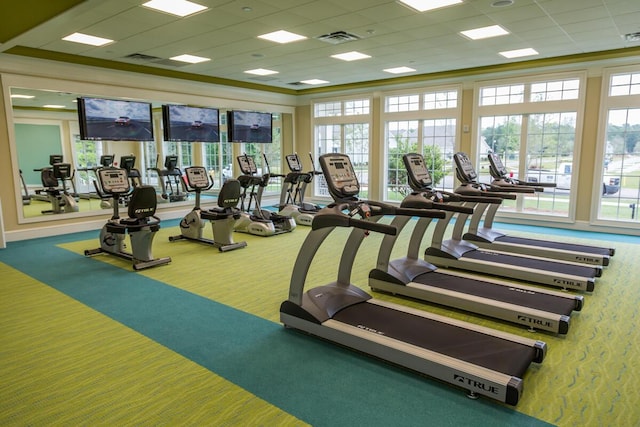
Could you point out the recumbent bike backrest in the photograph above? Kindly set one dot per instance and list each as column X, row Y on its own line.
column 143, row 202
column 229, row 195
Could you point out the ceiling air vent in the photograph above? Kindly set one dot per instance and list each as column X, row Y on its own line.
column 142, row 57
column 338, row 37
column 632, row 37
column 155, row 60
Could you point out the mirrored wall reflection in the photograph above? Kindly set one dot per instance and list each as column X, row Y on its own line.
column 58, row 169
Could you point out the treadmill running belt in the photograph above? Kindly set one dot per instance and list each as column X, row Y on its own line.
column 537, row 264
column 511, row 295
column 474, row 347
column 553, row 245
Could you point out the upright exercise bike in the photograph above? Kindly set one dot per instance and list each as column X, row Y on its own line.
column 222, row 218
column 141, row 225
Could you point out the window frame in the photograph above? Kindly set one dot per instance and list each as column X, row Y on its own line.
column 527, row 108
column 609, row 102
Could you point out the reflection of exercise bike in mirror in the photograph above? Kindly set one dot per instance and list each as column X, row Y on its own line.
column 172, row 186
column 91, row 177
column 54, row 180
column 258, row 221
column 222, row 217
column 141, row 224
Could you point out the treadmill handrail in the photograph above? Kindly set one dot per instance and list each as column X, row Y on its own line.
column 483, row 190
column 420, row 201
column 333, row 216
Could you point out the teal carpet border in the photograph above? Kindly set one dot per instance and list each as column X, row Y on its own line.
column 555, row 233
column 317, row 382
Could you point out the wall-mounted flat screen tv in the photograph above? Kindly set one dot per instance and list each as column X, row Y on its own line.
column 249, row 126
column 114, row 120
column 182, row 123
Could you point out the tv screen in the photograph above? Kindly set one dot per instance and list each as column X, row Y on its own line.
column 249, row 126
column 190, row 124
column 114, row 120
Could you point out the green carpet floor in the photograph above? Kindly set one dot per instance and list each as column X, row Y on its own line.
column 197, row 342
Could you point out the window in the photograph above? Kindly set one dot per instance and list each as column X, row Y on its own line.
column 625, row 84
column 536, row 140
column 424, row 123
column 351, row 139
column 344, row 130
column 218, row 159
column 620, row 196
column 327, row 109
column 497, row 95
column 87, row 156
column 555, row 90
column 272, row 152
column 440, row 100
column 395, row 104
column 356, row 107
column 150, row 157
column 617, row 183
column 401, row 138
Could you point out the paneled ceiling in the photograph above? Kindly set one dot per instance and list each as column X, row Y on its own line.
column 391, row 33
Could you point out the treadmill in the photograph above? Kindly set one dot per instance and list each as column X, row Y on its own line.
column 485, row 236
column 410, row 276
column 464, row 255
column 483, row 361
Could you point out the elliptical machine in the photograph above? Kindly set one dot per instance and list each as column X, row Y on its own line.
column 141, row 225
column 258, row 221
column 171, row 182
column 134, row 176
column 222, row 218
column 292, row 195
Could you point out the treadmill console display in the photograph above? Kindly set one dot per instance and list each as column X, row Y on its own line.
column 497, row 165
column 465, row 167
column 418, row 174
column 294, row 163
column 340, row 176
column 247, row 165
column 114, row 181
column 197, row 177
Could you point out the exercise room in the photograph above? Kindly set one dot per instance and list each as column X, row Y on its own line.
column 320, row 213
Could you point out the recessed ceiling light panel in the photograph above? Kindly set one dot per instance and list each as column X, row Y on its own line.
column 351, row 56
column 179, row 8
column 282, row 36
column 191, row 59
column 399, row 70
column 19, row 96
column 261, row 72
column 485, row 32
column 87, row 39
column 518, row 53
column 424, row 5
column 314, row 82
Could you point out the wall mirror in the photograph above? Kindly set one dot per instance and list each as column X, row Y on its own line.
column 46, row 129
